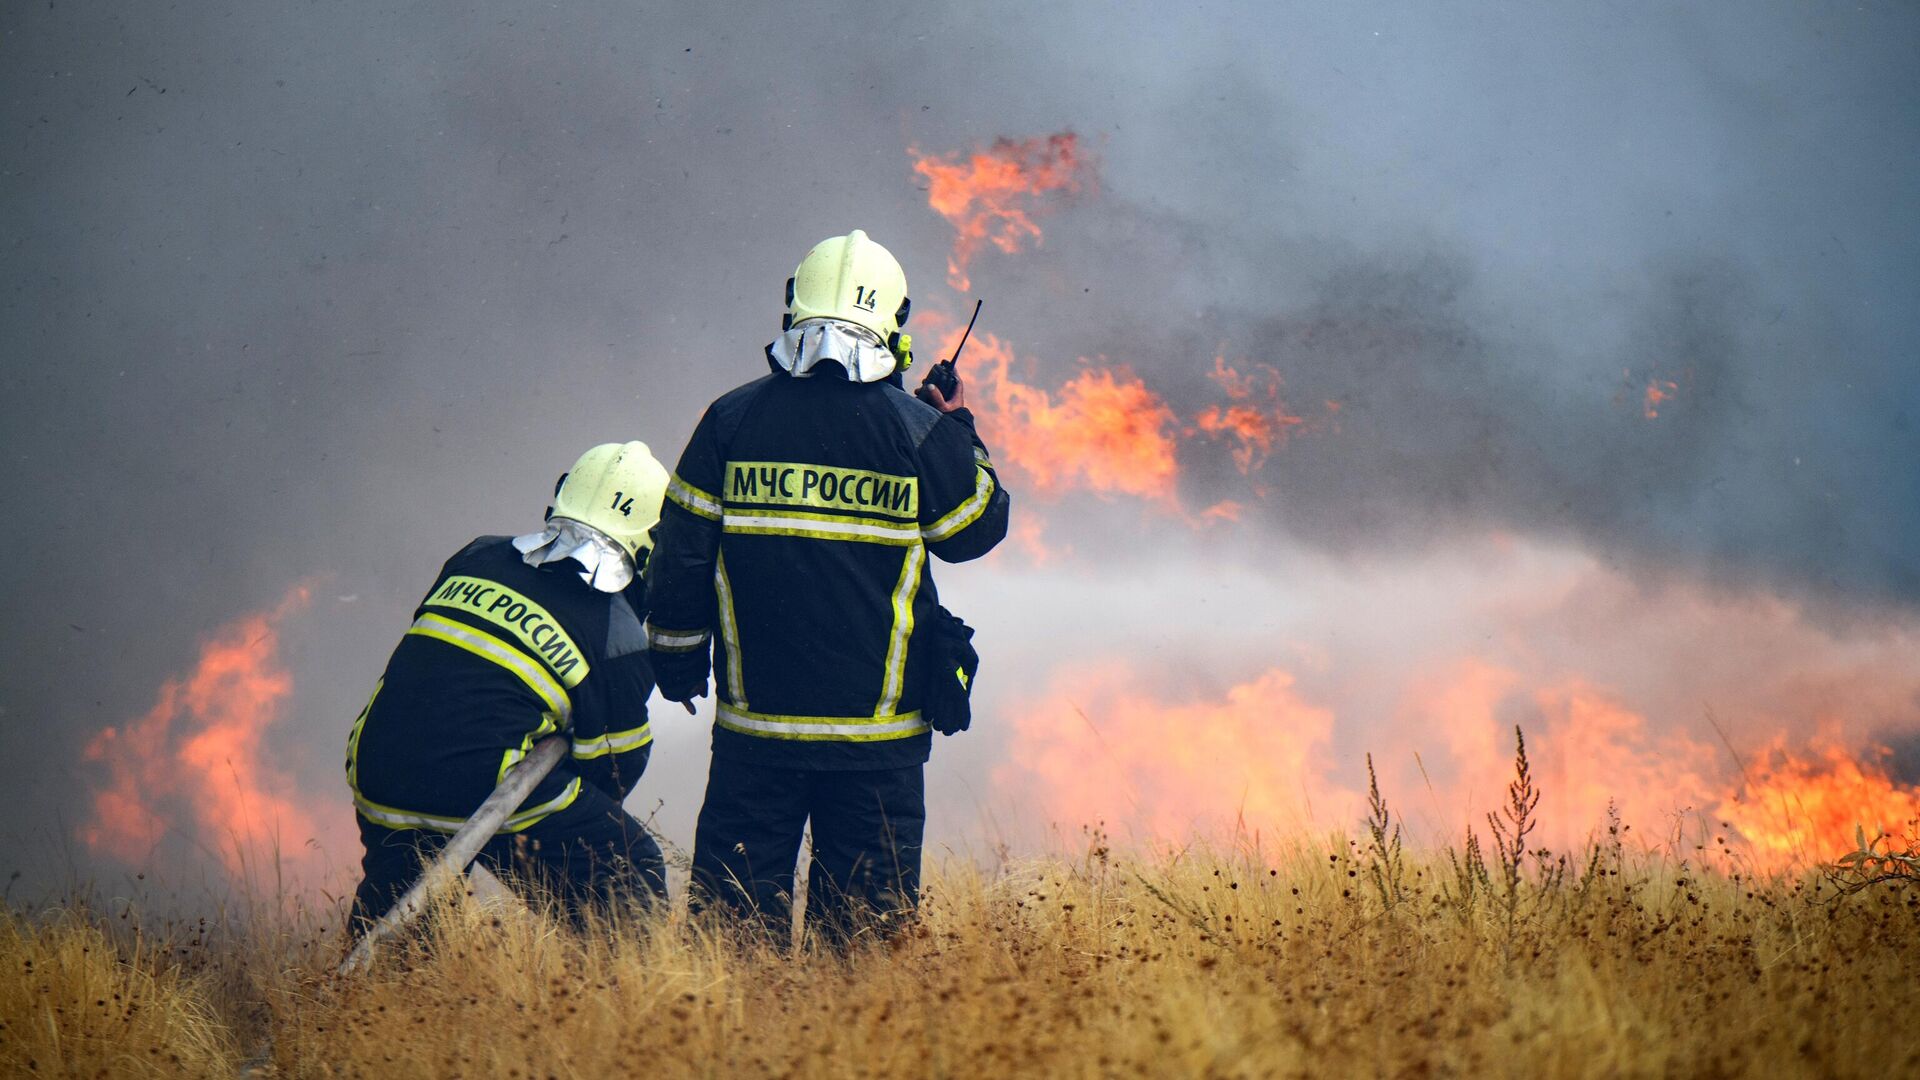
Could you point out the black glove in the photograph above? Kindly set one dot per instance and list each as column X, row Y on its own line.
column 681, row 675
column 941, row 377
column 946, row 699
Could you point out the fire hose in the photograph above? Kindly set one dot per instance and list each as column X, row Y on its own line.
column 461, row 848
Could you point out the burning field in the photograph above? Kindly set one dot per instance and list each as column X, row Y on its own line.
column 1759, row 722
column 1267, row 817
column 1742, row 716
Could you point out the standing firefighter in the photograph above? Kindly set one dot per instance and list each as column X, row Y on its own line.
column 518, row 638
column 797, row 529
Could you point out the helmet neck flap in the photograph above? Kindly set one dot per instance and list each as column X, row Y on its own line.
column 604, row 564
column 856, row 349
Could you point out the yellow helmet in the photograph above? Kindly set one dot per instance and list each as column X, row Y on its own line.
column 616, row 488
column 853, row 279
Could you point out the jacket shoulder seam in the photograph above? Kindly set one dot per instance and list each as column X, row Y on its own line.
column 731, row 408
column 918, row 416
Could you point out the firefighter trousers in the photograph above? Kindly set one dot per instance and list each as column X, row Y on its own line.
column 864, row 875
column 591, row 853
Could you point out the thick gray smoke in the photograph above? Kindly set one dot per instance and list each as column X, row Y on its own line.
column 312, row 292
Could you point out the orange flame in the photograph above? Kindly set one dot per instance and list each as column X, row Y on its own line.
column 1796, row 808
column 1257, row 419
column 1593, row 749
column 1224, row 510
column 196, row 761
column 1104, row 430
column 1658, row 390
column 1099, row 746
column 1028, row 535
column 983, row 196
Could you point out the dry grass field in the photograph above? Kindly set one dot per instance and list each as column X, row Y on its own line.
column 1341, row 957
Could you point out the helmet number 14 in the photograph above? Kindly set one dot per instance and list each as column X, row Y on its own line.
column 864, row 297
column 625, row 507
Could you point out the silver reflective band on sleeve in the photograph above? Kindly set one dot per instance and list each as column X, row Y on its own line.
column 980, row 456
column 675, row 640
column 821, row 728
column 406, row 819
column 613, row 742
column 903, row 594
column 692, row 499
column 486, row 646
column 729, row 632
column 967, row 512
column 821, row 527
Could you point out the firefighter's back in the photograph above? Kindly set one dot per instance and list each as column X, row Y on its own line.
column 821, row 550
column 491, row 661
column 798, row 528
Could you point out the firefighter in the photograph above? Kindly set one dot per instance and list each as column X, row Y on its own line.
column 796, row 531
column 521, row 637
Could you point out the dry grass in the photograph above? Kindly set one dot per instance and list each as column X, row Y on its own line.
column 1219, row 964
column 1352, row 958
column 76, row 1003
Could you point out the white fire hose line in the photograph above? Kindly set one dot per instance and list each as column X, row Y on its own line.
column 464, row 845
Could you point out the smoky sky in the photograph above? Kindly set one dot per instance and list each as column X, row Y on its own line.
column 317, row 292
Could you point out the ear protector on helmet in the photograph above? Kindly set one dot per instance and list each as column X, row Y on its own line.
column 899, row 344
column 557, row 485
column 786, row 320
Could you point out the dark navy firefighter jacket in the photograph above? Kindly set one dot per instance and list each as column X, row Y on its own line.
column 500, row 654
column 796, row 529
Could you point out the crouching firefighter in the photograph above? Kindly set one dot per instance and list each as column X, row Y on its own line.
column 796, row 530
column 521, row 637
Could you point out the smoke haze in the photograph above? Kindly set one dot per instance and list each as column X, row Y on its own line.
column 298, row 293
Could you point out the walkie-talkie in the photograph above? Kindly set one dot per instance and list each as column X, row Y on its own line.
column 942, row 375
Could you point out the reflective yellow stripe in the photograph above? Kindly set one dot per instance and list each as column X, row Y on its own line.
column 980, row 456
column 613, row 742
column 903, row 594
column 729, row 633
column 674, row 640
column 967, row 512
column 820, row 527
column 394, row 818
column 692, row 499
column 533, row 625
column 515, row 753
column 403, row 819
column 554, row 805
column 820, row 728
column 485, row 645
column 353, row 739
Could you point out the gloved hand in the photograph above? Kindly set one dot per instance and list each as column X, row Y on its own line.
column 680, row 675
column 942, row 388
